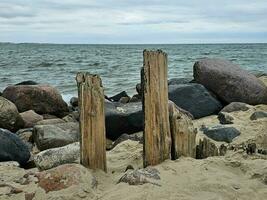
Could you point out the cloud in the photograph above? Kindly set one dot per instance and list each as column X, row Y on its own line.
column 133, row 21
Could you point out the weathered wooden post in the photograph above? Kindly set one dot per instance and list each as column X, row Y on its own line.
column 92, row 121
column 183, row 133
column 157, row 137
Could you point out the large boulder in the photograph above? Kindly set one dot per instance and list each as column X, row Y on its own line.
column 55, row 135
column 229, row 82
column 194, row 98
column 123, row 118
column 43, row 99
column 9, row 116
column 12, row 148
column 30, row 118
column 57, row 156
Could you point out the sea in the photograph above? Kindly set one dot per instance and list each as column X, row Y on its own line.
column 118, row 65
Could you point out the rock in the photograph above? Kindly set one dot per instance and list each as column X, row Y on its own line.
column 117, row 97
column 50, row 121
column 221, row 133
column 141, row 176
column 65, row 176
column 57, row 156
column 27, row 83
column 258, row 115
column 25, row 134
column 74, row 101
column 12, row 148
column 48, row 116
column 109, row 144
column 225, row 118
column 136, row 98
column 138, row 88
column 251, row 148
column 177, row 81
column 229, row 82
column 124, row 99
column 55, row 135
column 135, row 137
column 194, row 98
column 69, row 118
column 9, row 116
column 123, row 118
column 263, row 79
column 235, row 106
column 30, row 118
column 43, row 99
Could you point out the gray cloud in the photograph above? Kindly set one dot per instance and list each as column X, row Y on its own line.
column 128, row 20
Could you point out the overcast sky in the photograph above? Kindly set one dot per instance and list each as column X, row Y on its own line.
column 133, row 21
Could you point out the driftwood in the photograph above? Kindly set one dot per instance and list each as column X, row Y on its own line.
column 183, row 133
column 157, row 136
column 92, row 121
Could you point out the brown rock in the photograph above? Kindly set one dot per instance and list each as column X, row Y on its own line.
column 43, row 99
column 65, row 176
column 30, row 118
column 229, row 82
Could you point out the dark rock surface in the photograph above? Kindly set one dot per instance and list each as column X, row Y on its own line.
column 177, row 81
column 258, row 115
column 27, row 83
column 123, row 118
column 117, row 97
column 221, row 133
column 12, row 148
column 43, row 99
column 229, row 82
column 194, row 98
column 9, row 116
column 74, row 101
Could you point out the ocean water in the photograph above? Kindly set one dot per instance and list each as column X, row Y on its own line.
column 118, row 65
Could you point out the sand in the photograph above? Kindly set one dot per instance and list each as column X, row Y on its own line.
column 235, row 176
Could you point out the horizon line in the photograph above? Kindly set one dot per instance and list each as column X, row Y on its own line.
column 197, row 43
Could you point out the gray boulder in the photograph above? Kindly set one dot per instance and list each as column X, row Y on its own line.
column 221, row 133
column 194, row 98
column 9, row 116
column 235, row 106
column 258, row 115
column 12, row 148
column 55, row 135
column 57, row 156
column 229, row 82
column 43, row 99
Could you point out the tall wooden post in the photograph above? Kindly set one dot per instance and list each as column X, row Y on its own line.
column 92, row 121
column 157, row 137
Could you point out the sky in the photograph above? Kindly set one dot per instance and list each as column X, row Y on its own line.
column 133, row 21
